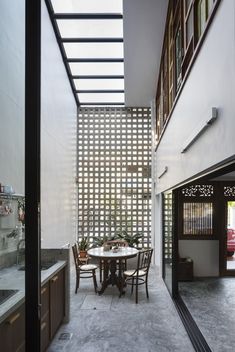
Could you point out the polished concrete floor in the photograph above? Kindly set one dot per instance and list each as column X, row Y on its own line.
column 231, row 263
column 211, row 302
column 109, row 323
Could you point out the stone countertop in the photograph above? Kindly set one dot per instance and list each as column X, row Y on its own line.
column 13, row 279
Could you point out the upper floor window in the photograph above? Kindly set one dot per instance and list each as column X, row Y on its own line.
column 178, row 58
column 186, row 23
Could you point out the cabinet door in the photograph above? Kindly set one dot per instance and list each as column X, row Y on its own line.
column 45, row 299
column 45, row 332
column 12, row 332
column 45, row 321
column 57, row 307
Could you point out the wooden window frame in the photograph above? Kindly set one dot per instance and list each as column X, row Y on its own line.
column 170, row 45
column 177, row 25
column 186, row 15
column 189, row 54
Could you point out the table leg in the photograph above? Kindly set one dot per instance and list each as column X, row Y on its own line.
column 111, row 279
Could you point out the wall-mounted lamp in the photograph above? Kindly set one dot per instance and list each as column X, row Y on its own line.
column 200, row 130
column 163, row 172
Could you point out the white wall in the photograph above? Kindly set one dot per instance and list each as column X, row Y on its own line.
column 211, row 83
column 58, row 144
column 205, row 255
column 12, row 88
column 156, row 219
column 157, row 213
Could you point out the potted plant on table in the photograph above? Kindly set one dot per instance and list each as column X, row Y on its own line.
column 83, row 246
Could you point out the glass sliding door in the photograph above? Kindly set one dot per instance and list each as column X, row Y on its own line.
column 169, row 245
column 230, row 235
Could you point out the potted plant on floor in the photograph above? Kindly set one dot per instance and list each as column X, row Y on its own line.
column 133, row 240
column 83, row 246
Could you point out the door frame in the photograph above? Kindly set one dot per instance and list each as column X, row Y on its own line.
column 173, row 289
column 223, row 237
column 32, row 175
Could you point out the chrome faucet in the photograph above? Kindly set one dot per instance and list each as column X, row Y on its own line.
column 20, row 250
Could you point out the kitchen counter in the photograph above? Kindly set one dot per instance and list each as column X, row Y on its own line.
column 14, row 279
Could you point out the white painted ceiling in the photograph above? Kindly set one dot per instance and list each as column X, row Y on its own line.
column 143, row 31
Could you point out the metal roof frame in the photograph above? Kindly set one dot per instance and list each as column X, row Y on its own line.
column 61, row 40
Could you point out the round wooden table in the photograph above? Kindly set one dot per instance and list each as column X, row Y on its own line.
column 110, row 259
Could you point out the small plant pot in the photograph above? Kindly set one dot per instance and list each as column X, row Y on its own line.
column 83, row 254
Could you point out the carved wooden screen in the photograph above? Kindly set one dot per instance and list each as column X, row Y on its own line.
column 196, row 212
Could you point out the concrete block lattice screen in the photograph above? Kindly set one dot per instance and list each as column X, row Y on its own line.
column 114, row 163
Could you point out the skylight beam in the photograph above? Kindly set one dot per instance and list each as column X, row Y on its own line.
column 105, row 103
column 97, row 77
column 87, row 16
column 100, row 91
column 92, row 40
column 95, row 59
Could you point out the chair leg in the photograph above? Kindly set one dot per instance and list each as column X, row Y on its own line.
column 146, row 286
column 136, row 292
column 132, row 284
column 77, row 281
column 94, row 280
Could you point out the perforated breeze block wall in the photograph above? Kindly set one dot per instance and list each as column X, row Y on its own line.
column 114, row 163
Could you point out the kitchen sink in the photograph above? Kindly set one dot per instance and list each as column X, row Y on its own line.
column 44, row 265
column 47, row 265
column 5, row 294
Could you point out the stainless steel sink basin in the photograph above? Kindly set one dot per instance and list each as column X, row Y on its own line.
column 44, row 265
column 6, row 294
column 47, row 265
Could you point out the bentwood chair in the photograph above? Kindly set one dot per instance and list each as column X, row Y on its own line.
column 83, row 271
column 122, row 264
column 139, row 276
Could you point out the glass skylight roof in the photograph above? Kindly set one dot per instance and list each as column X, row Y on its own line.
column 90, row 36
column 86, row 6
column 94, row 50
column 96, row 68
column 108, row 28
column 101, row 97
column 99, row 84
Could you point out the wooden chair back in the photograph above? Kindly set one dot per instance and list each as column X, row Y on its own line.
column 76, row 256
column 144, row 259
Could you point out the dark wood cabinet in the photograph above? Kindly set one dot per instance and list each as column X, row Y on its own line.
column 57, row 301
column 45, row 332
column 12, row 331
column 53, row 307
